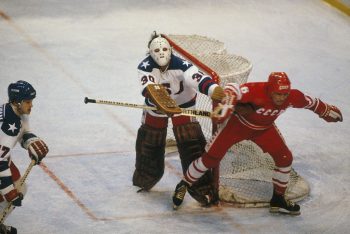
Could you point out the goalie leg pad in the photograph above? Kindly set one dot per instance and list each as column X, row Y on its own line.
column 191, row 143
column 150, row 149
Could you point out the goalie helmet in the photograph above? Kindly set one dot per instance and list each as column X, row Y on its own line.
column 278, row 82
column 160, row 50
column 21, row 90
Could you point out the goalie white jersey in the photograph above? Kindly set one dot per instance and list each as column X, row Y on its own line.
column 181, row 79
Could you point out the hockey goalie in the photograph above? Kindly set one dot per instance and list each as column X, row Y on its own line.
column 169, row 83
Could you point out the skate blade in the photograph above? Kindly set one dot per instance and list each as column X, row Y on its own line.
column 279, row 210
column 176, row 203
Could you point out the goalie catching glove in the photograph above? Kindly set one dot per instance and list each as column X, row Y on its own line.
column 161, row 98
column 36, row 147
column 327, row 112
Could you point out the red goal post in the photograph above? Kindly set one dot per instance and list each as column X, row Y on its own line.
column 245, row 174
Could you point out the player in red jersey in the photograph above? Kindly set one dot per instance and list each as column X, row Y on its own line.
column 268, row 101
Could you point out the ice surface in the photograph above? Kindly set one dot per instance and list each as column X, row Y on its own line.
column 72, row 49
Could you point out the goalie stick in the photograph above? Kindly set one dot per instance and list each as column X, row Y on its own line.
column 187, row 112
column 21, row 182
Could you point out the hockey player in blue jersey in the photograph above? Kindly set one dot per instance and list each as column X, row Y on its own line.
column 183, row 81
column 15, row 128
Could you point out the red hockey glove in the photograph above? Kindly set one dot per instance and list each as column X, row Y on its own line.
column 333, row 114
column 37, row 150
column 224, row 109
column 327, row 112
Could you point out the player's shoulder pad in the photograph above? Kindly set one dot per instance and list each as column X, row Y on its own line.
column 296, row 94
column 177, row 63
column 147, row 64
column 11, row 123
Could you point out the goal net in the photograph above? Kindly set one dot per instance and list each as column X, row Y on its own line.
column 245, row 173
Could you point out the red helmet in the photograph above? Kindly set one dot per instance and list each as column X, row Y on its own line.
column 278, row 82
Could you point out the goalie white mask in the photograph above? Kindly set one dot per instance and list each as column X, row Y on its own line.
column 160, row 51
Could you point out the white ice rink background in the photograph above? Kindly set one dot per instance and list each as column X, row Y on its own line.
column 72, row 49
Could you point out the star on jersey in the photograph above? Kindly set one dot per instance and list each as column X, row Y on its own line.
column 12, row 127
column 145, row 64
column 186, row 63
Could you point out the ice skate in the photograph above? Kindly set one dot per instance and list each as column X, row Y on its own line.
column 179, row 193
column 279, row 204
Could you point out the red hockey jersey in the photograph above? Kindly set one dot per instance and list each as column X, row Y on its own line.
column 265, row 111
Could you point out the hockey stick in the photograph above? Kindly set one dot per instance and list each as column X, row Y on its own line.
column 187, row 112
column 21, row 182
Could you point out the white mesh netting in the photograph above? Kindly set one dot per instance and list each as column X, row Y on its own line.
column 245, row 176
